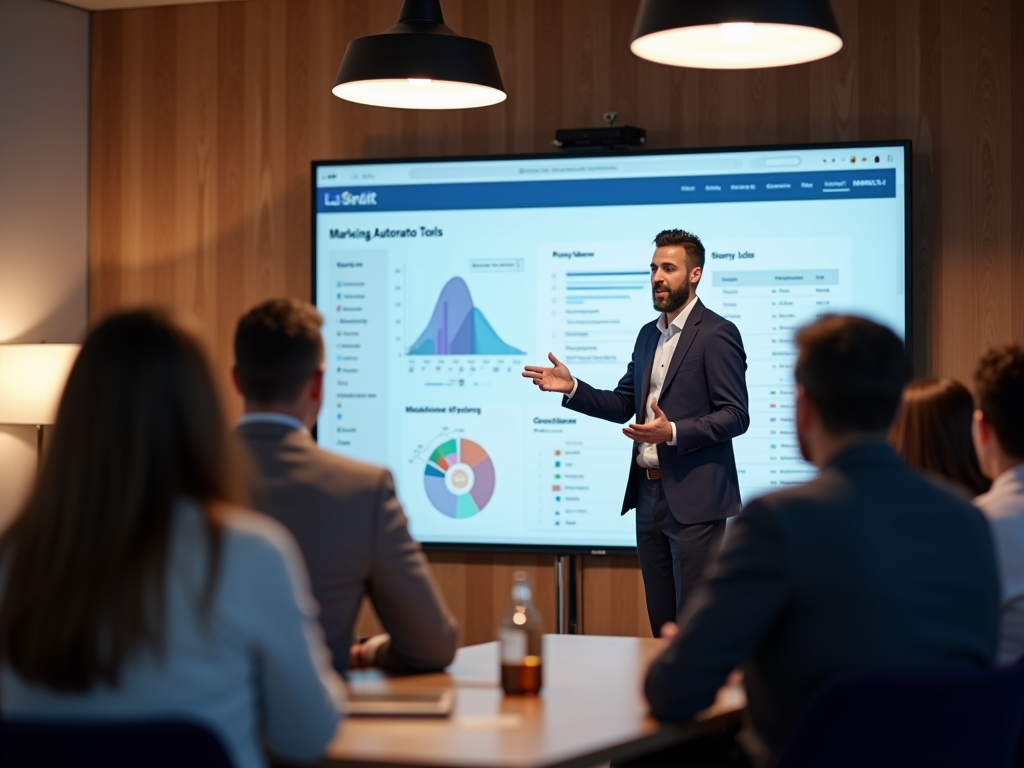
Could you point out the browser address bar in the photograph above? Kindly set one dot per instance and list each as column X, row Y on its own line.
column 575, row 166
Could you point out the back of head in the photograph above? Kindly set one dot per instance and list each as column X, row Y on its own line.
column 999, row 389
column 932, row 432
column 854, row 370
column 139, row 427
column 277, row 349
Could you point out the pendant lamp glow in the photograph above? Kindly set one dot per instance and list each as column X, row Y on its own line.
column 420, row 64
column 735, row 34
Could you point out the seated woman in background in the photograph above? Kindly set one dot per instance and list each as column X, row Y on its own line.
column 932, row 432
column 132, row 588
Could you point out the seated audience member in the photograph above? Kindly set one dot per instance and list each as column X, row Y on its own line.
column 132, row 587
column 932, row 432
column 869, row 565
column 344, row 514
column 999, row 441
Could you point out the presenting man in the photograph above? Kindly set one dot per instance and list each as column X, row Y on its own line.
column 685, row 387
column 344, row 514
column 868, row 566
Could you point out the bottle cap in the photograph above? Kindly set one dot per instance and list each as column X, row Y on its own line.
column 521, row 592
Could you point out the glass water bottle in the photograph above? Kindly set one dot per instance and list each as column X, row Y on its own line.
column 520, row 641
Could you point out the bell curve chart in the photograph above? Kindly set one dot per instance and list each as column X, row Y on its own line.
column 459, row 478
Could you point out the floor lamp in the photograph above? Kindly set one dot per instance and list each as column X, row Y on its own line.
column 32, row 378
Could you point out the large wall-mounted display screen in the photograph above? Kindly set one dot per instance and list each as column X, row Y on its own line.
column 440, row 279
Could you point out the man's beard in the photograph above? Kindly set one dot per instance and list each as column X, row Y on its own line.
column 673, row 301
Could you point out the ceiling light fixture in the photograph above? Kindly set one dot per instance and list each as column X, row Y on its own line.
column 735, row 34
column 420, row 64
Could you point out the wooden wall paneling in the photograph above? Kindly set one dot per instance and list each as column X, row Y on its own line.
column 956, row 121
column 837, row 91
column 516, row 47
column 878, row 69
column 792, row 105
column 195, row 120
column 478, row 589
column 926, row 114
column 613, row 597
column 204, row 119
column 624, row 68
column 105, row 145
column 975, row 268
column 549, row 73
column 1016, row 253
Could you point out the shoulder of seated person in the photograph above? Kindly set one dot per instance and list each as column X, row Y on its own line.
column 351, row 471
column 247, row 526
column 812, row 493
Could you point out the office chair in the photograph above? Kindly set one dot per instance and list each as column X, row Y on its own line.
column 899, row 719
column 109, row 744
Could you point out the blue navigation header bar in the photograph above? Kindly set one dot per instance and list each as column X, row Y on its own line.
column 651, row 190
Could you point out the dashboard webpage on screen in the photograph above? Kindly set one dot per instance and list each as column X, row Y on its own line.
column 438, row 280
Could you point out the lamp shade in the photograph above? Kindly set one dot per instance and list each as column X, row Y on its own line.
column 735, row 34
column 32, row 378
column 419, row 63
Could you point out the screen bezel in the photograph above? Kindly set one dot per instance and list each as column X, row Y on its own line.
column 556, row 549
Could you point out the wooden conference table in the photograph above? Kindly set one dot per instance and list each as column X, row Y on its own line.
column 591, row 710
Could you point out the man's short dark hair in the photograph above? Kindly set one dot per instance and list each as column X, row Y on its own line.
column 999, row 393
column 854, row 371
column 277, row 349
column 689, row 241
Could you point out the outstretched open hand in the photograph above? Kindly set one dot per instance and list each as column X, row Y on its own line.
column 554, row 379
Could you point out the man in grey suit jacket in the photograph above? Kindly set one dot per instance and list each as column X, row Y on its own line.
column 345, row 515
column 867, row 566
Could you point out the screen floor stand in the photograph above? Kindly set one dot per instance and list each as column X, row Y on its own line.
column 566, row 595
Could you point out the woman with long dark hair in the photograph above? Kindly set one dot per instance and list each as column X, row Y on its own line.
column 132, row 585
column 932, row 432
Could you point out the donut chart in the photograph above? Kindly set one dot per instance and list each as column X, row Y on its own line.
column 459, row 478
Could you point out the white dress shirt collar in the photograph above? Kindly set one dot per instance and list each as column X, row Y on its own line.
column 680, row 320
column 1009, row 480
column 270, row 417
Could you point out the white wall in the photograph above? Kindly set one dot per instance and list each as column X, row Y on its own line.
column 44, row 145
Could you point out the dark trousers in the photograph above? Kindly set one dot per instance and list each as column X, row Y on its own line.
column 673, row 555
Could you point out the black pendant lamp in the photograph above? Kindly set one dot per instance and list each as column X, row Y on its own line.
column 420, row 64
column 735, row 34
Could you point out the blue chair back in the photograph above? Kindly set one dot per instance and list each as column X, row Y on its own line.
column 107, row 744
column 895, row 720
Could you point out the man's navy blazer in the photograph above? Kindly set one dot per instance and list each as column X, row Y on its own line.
column 868, row 566
column 704, row 395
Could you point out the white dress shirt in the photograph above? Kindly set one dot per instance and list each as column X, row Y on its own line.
column 1003, row 505
column 648, row 454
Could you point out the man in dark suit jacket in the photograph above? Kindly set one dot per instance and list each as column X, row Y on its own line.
column 867, row 566
column 685, row 388
column 344, row 514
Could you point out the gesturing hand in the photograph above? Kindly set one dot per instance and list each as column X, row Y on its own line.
column 355, row 656
column 658, row 430
column 669, row 630
column 556, row 379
